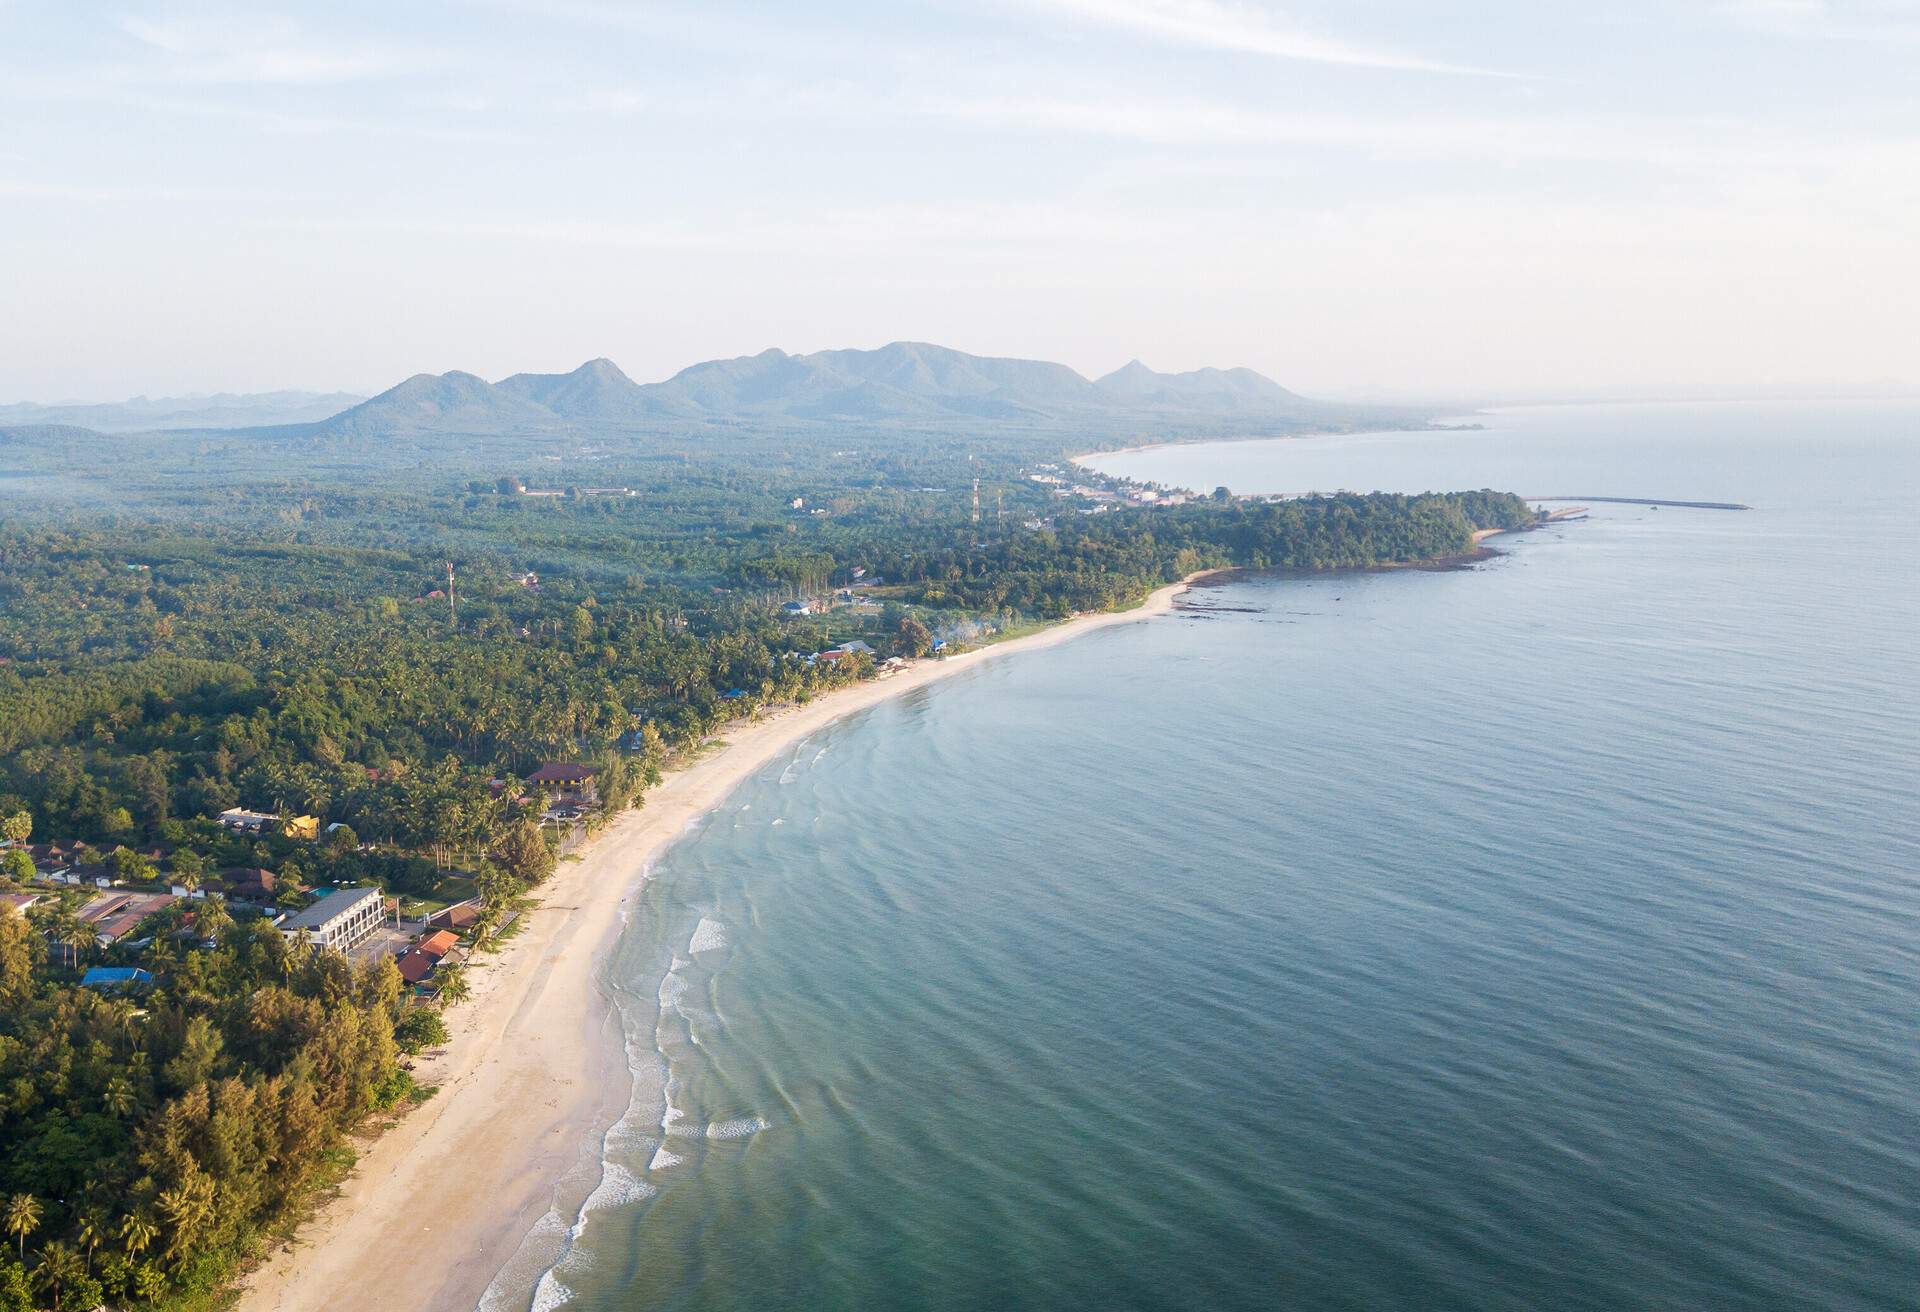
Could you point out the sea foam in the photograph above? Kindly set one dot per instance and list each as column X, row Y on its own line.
column 708, row 936
column 672, row 988
column 550, row 1293
column 617, row 1186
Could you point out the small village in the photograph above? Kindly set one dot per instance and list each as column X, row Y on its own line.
column 119, row 913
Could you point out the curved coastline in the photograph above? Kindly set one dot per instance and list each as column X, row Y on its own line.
column 1434, row 425
column 442, row 1200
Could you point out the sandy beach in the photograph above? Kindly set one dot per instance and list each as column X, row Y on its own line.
column 439, row 1202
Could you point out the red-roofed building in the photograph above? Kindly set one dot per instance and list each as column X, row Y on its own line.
column 53, row 858
column 415, row 965
column 438, row 943
column 116, row 915
column 248, row 883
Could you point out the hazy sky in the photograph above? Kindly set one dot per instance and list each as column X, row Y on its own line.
column 1352, row 197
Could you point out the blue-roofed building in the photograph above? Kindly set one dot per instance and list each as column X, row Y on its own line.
column 115, row 977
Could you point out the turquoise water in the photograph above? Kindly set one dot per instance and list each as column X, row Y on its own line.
column 1541, row 935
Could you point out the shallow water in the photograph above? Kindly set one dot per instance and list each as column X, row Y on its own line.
column 1538, row 935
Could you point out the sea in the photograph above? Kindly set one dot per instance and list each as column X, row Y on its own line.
column 1543, row 934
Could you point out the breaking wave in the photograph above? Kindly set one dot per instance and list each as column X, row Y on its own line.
column 708, row 936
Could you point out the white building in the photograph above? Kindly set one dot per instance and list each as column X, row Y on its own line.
column 339, row 920
column 247, row 822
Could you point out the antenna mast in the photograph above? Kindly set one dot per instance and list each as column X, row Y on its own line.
column 452, row 617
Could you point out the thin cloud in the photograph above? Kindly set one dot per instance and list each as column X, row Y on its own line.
column 64, row 191
column 1850, row 20
column 613, row 100
column 1215, row 25
column 128, row 89
column 275, row 54
column 902, row 226
column 1698, row 143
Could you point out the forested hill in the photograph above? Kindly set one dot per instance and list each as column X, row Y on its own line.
column 903, row 423
column 904, row 382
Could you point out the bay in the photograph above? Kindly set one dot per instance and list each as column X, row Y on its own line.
column 1543, row 934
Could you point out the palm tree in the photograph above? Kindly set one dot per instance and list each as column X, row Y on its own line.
column 149, row 1283
column 119, row 1097
column 23, row 1218
column 122, row 1016
column 185, row 864
column 453, row 987
column 59, row 1265
column 214, row 920
column 58, row 927
column 137, row 1230
column 186, row 1208
column 176, row 1209
column 78, row 935
column 88, row 1230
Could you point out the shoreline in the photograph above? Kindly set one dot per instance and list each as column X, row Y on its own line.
column 440, row 1201
column 1431, row 426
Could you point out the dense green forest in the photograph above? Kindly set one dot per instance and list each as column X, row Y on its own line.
column 192, row 625
column 145, row 1144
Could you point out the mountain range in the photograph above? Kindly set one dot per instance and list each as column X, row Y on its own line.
column 145, row 414
column 905, row 382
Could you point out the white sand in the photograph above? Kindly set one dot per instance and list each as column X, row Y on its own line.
column 439, row 1203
